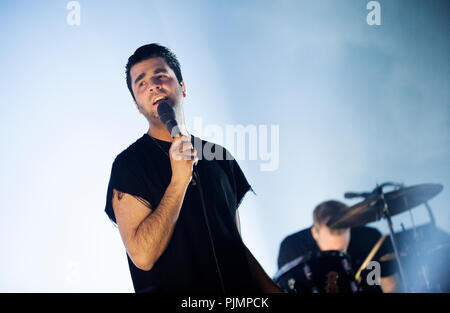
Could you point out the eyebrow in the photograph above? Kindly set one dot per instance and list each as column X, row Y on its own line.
column 142, row 75
column 160, row 70
column 157, row 71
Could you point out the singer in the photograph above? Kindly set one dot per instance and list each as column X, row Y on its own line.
column 181, row 233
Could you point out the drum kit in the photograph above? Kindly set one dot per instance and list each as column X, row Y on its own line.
column 331, row 271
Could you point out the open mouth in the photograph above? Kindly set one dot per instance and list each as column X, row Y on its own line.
column 160, row 99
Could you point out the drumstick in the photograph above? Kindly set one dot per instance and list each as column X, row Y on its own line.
column 370, row 256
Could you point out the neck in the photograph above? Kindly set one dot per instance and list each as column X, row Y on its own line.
column 160, row 132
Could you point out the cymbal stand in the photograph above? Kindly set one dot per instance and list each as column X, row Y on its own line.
column 424, row 268
column 386, row 214
column 430, row 213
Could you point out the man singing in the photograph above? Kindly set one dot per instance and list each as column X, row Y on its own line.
column 180, row 234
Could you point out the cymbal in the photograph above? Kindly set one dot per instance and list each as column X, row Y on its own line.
column 398, row 201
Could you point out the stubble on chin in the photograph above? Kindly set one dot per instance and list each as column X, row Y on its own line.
column 152, row 118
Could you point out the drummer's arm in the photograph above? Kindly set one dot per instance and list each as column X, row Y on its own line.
column 390, row 284
column 266, row 283
column 390, row 281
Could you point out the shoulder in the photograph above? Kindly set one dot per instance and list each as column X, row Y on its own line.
column 211, row 151
column 214, row 154
column 364, row 235
column 300, row 236
column 128, row 155
column 365, row 231
column 295, row 245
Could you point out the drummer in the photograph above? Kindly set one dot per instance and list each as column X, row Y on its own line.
column 357, row 242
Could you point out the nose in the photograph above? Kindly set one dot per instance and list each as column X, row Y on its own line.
column 154, row 85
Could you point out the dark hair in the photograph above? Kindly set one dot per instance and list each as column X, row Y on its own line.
column 149, row 51
column 327, row 211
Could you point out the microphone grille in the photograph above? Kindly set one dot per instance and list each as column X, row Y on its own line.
column 165, row 112
column 167, row 116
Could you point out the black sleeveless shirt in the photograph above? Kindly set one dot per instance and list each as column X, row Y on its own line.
column 188, row 264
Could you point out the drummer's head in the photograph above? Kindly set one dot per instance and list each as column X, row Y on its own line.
column 325, row 237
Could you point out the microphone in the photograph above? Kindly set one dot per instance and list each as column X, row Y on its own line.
column 167, row 116
column 351, row 195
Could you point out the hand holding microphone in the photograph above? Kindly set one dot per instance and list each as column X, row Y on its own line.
column 182, row 154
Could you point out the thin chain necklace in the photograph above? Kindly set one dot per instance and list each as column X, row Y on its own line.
column 193, row 181
column 159, row 146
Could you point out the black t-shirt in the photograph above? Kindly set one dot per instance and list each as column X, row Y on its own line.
column 187, row 264
column 362, row 240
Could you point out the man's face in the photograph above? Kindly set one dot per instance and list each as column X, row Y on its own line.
column 331, row 240
column 153, row 81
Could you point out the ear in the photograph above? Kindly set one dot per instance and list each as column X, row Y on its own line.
column 183, row 87
column 314, row 232
column 137, row 106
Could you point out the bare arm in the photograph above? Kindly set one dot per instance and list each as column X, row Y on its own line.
column 146, row 232
column 390, row 284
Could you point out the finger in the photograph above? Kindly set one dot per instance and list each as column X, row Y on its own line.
column 180, row 137
column 183, row 138
column 187, row 146
column 177, row 144
column 177, row 156
column 189, row 155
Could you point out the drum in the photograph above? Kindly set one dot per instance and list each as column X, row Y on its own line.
column 320, row 272
column 429, row 271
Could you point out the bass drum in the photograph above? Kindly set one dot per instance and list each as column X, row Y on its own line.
column 320, row 272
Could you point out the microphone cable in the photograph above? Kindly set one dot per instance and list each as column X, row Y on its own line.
column 167, row 116
column 202, row 200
